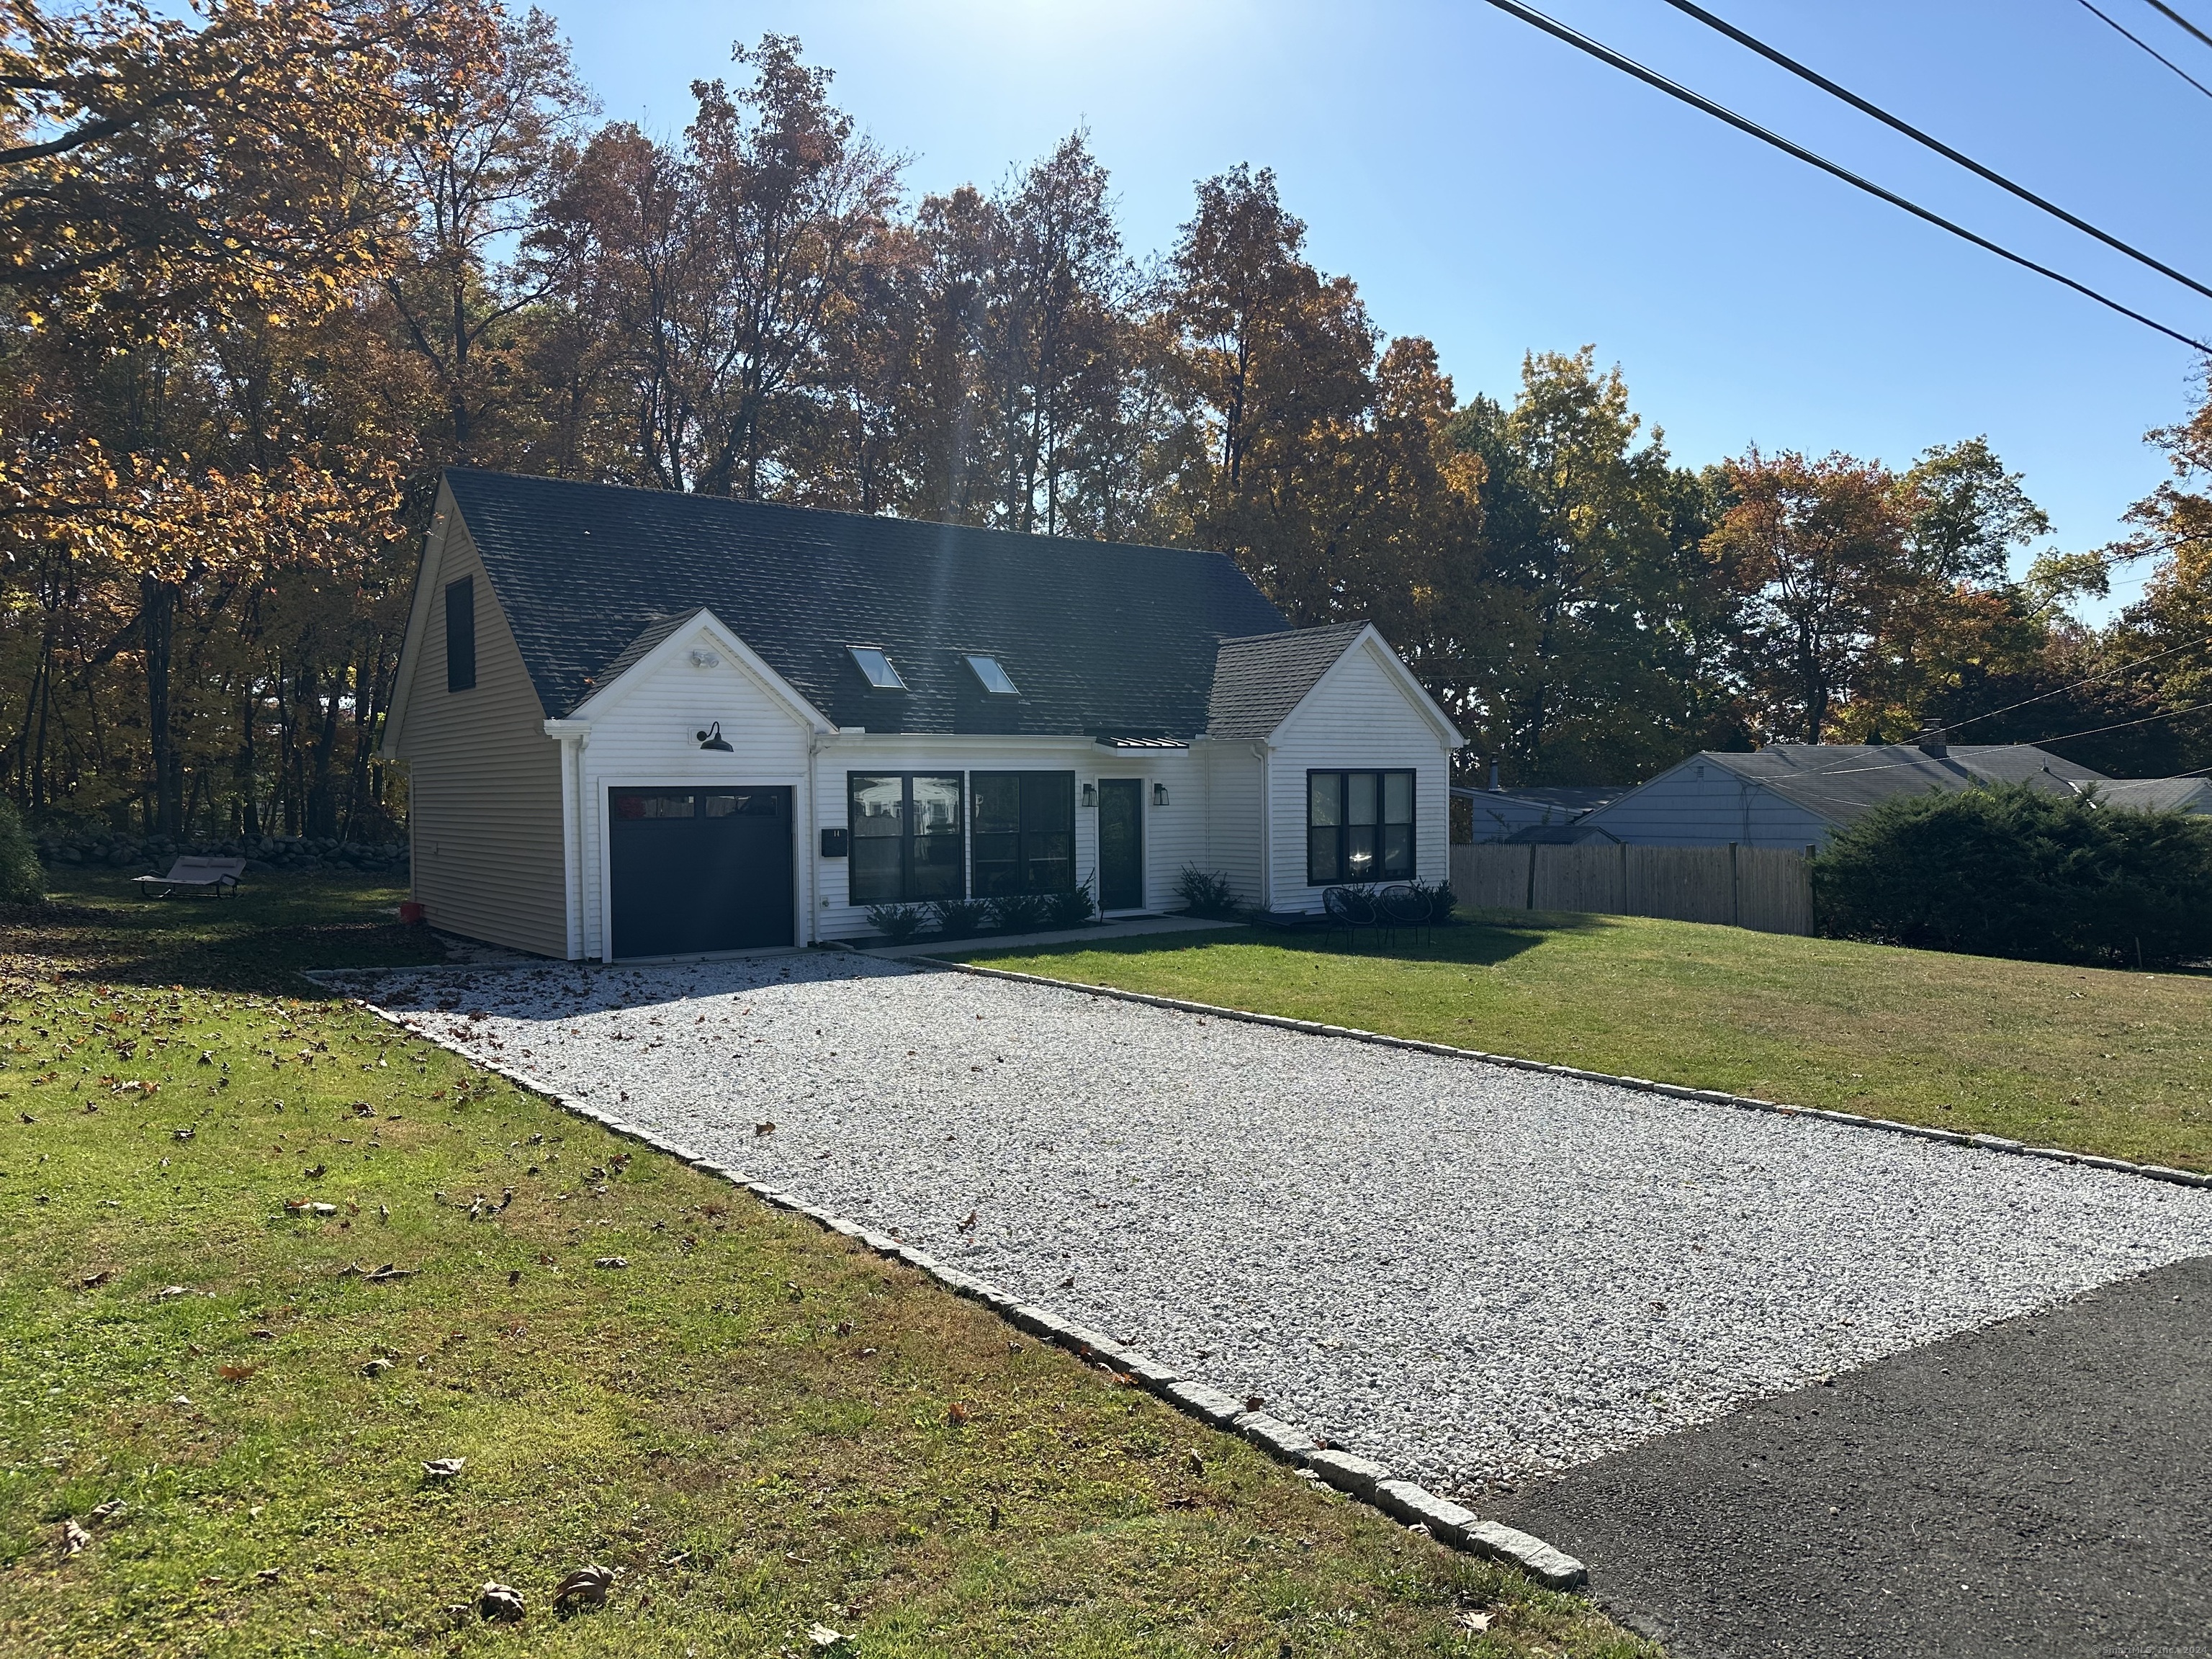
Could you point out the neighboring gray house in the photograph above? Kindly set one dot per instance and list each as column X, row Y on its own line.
column 1538, row 813
column 1796, row 794
column 2159, row 794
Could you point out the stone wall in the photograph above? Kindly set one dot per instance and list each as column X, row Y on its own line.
column 63, row 849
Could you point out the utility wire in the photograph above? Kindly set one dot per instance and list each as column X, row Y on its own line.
column 1606, row 54
column 2161, row 5
column 1942, row 148
column 2089, row 679
column 2122, row 29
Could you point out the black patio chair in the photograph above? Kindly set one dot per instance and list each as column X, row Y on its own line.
column 1350, row 909
column 1404, row 905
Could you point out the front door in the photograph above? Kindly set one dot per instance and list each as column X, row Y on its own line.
column 1121, row 843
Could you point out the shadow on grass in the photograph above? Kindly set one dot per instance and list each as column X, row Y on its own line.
column 99, row 927
column 1479, row 938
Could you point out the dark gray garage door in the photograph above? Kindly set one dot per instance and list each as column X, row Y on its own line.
column 699, row 870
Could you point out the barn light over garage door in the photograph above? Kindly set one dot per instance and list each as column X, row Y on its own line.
column 699, row 870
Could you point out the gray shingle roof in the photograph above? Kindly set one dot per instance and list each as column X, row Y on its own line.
column 1258, row 681
column 1843, row 781
column 2152, row 794
column 1101, row 637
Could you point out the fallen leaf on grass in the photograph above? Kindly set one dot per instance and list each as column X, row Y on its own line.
column 182, row 1135
column 387, row 1271
column 268, row 1575
column 235, row 1373
column 501, row 1602
column 611, row 1261
column 444, row 1469
column 1477, row 1622
column 587, row 1587
column 112, row 1508
column 822, row 1636
column 170, row 1292
column 956, row 1414
column 93, row 1281
column 74, row 1538
column 376, row 1367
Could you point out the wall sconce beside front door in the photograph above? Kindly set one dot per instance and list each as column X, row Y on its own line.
column 1160, row 794
column 1090, row 793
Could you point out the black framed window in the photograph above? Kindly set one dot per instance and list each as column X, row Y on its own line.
column 906, row 845
column 1025, row 831
column 461, row 633
column 1359, row 827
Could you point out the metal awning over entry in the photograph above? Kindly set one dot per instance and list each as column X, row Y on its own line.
column 699, row 870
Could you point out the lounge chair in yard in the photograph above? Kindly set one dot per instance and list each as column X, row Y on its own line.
column 190, row 875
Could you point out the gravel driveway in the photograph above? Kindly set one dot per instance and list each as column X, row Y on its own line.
column 1476, row 1273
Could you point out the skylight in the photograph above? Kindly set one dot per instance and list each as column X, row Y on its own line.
column 877, row 668
column 995, row 678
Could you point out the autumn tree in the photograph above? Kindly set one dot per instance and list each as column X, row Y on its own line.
column 1600, row 625
column 1819, row 548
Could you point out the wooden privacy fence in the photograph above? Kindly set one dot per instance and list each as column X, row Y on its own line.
column 1766, row 888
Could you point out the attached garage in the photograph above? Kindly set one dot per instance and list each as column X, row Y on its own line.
column 695, row 869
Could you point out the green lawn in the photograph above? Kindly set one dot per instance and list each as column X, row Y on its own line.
column 758, row 1425
column 2119, row 1064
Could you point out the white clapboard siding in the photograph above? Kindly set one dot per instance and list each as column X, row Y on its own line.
column 1701, row 802
column 648, row 737
column 1236, row 776
column 483, row 779
column 1358, row 716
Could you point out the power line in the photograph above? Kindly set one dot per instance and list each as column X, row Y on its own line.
column 2044, row 697
column 1942, row 148
column 1743, row 124
column 2122, row 29
column 2161, row 5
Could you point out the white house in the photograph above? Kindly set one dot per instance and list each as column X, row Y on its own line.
column 1796, row 794
column 640, row 723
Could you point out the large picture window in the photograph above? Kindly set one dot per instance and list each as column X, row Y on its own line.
column 1359, row 827
column 906, row 837
column 1025, row 831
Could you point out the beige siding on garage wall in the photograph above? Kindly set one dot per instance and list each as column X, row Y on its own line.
column 1357, row 718
column 483, row 780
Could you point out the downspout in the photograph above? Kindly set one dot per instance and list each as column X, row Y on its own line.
column 572, row 735
column 1265, row 752
column 812, row 934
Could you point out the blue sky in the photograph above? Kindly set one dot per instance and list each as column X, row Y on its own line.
column 1491, row 189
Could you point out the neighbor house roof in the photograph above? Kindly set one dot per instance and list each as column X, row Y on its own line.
column 1098, row 637
column 1842, row 782
column 1258, row 681
column 2157, row 794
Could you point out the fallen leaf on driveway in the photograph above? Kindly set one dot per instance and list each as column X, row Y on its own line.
column 767, row 1129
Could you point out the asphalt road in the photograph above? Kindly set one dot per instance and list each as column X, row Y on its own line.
column 2040, row 1487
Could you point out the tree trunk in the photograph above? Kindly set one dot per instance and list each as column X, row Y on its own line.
column 158, row 613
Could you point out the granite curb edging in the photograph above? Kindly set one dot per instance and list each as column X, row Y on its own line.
column 1987, row 1143
column 1355, row 1477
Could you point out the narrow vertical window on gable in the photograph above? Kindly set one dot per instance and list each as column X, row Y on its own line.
column 461, row 633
